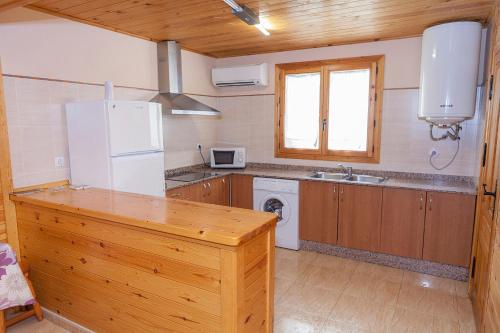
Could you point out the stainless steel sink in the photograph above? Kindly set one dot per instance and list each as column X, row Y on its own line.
column 365, row 179
column 327, row 175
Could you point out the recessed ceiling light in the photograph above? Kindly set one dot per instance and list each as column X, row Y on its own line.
column 248, row 16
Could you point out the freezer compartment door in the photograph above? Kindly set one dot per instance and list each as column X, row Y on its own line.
column 134, row 127
column 142, row 174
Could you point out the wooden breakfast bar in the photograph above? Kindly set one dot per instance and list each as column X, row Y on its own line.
column 122, row 262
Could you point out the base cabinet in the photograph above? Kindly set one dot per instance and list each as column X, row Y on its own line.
column 189, row 193
column 318, row 204
column 360, row 209
column 403, row 215
column 242, row 191
column 448, row 228
column 434, row 226
column 214, row 191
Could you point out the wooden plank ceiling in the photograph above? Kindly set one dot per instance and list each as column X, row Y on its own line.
column 208, row 27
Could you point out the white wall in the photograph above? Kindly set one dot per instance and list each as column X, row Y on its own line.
column 249, row 120
column 40, row 45
column 37, row 45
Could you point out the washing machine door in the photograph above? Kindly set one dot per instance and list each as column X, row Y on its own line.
column 275, row 203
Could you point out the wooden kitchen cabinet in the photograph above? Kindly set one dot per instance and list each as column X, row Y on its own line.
column 189, row 192
column 318, row 211
column 403, row 216
column 216, row 191
column 448, row 228
column 359, row 219
column 242, row 191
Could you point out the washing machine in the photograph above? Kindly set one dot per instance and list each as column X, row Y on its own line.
column 281, row 197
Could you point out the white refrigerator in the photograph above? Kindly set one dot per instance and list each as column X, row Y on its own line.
column 117, row 145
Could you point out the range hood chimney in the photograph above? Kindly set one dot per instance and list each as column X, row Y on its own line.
column 170, row 95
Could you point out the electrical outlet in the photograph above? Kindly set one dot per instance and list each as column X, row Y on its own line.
column 198, row 146
column 59, row 162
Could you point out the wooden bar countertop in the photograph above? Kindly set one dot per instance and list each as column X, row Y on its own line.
column 218, row 224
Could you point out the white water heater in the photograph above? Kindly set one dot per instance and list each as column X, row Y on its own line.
column 449, row 72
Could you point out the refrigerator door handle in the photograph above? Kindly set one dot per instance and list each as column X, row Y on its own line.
column 144, row 152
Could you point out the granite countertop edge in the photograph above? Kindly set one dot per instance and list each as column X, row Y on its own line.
column 438, row 185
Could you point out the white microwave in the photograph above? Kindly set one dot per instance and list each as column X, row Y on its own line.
column 228, row 158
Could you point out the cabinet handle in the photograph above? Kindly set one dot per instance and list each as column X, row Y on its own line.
column 175, row 195
column 205, row 186
column 421, row 201
column 223, row 180
column 334, row 189
column 430, row 201
column 209, row 185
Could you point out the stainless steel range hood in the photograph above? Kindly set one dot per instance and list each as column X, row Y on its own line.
column 170, row 95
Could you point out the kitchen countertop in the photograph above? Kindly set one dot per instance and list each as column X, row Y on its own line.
column 441, row 184
column 217, row 224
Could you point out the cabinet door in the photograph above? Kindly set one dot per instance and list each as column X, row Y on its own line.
column 403, row 214
column 218, row 191
column 360, row 212
column 449, row 220
column 205, row 190
column 318, row 211
column 242, row 191
column 190, row 193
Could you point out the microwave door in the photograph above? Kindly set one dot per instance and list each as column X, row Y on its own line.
column 223, row 157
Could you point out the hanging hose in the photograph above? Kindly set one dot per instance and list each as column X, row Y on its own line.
column 447, row 164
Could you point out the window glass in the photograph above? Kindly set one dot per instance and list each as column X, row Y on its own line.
column 349, row 105
column 302, row 103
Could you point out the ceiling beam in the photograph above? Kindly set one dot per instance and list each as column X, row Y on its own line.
column 9, row 4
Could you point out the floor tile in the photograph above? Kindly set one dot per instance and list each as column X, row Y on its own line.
column 406, row 320
column 465, row 312
column 333, row 326
column 461, row 289
column 380, row 272
column 325, row 260
column 376, row 289
column 328, row 277
column 313, row 300
column 362, row 313
column 31, row 325
column 428, row 301
column 440, row 325
column 290, row 320
column 281, row 285
column 431, row 282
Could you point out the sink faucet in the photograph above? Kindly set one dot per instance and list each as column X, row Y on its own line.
column 348, row 170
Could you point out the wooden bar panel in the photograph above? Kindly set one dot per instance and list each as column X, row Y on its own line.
column 196, row 276
column 112, row 277
column 147, row 241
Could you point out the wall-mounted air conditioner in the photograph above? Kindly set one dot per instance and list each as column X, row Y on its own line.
column 252, row 75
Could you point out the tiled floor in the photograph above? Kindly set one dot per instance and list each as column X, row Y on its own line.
column 31, row 325
column 321, row 293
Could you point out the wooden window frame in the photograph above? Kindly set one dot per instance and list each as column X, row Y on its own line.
column 372, row 154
